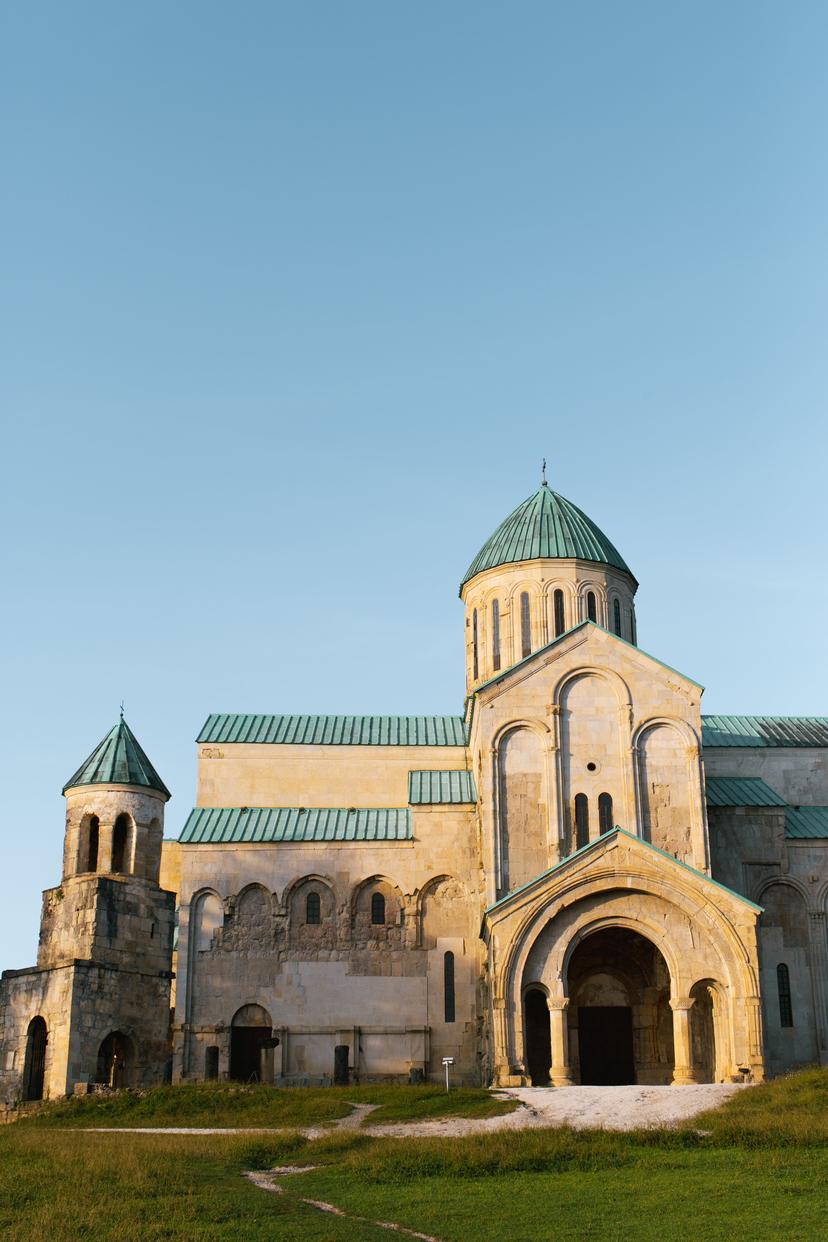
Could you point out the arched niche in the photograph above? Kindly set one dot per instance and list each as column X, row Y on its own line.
column 787, row 996
column 523, row 812
column 206, row 921
column 311, row 907
column 372, row 897
column 591, row 754
column 443, row 908
column 251, row 924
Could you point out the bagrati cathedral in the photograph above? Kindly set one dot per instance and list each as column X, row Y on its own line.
column 581, row 879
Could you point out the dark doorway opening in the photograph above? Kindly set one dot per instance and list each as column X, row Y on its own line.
column 115, row 1059
column 538, row 1048
column 246, row 1044
column 605, row 1042
column 35, row 1066
column 251, row 1045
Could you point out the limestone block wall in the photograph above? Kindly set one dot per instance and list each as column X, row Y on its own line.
column 797, row 774
column 257, row 774
column 608, row 720
column 539, row 580
column 115, row 921
column 132, row 1002
column 144, row 812
column 244, row 940
column 24, row 995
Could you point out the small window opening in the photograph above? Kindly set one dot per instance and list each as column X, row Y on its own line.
column 120, row 842
column 592, row 767
column 581, row 821
column 591, row 610
column 313, row 909
column 783, row 984
column 377, row 909
column 525, row 625
column 92, row 844
column 605, row 813
column 558, row 602
column 495, row 634
column 448, row 986
column 475, row 659
column 616, row 617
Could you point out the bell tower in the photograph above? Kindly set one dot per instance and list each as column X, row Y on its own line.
column 99, row 997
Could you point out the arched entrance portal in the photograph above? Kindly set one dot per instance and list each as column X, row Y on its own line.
column 619, row 1016
column 115, row 1060
column 251, row 1045
column 538, row 1047
column 35, row 1064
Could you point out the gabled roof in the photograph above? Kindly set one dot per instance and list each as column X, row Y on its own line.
column 441, row 788
column 506, row 672
column 600, row 843
column 266, row 824
column 741, row 791
column 335, row 730
column 118, row 760
column 546, row 526
column 765, row 730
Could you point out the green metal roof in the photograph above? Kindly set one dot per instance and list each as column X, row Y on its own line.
column 440, row 788
column 546, row 525
column 741, row 791
column 336, row 730
column 264, row 824
column 118, row 760
column 806, row 822
column 765, row 730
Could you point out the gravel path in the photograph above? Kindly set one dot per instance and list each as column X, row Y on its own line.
column 613, row 1108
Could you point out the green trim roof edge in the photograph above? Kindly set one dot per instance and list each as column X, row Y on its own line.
column 548, row 647
column 617, row 831
column 730, row 791
column 240, row 728
column 441, row 787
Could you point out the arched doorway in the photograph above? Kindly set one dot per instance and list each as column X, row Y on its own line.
column 34, row 1069
column 620, row 1022
column 538, row 1047
column 115, row 1060
column 250, row 1043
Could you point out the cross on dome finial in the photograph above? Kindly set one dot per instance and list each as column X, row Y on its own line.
column 122, row 709
column 543, row 474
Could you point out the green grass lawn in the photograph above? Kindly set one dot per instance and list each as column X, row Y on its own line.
column 758, row 1170
column 231, row 1104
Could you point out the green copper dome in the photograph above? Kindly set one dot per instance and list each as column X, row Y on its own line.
column 118, row 760
column 546, row 525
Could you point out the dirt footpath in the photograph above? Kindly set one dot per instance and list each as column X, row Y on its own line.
column 610, row 1108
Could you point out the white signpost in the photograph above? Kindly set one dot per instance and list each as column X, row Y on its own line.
column 447, row 1061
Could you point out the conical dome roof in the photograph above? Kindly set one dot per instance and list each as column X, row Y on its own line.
column 118, row 760
column 546, row 525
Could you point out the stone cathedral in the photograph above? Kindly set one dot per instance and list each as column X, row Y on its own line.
column 581, row 879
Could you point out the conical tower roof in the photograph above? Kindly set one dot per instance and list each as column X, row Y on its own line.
column 546, row 525
column 118, row 760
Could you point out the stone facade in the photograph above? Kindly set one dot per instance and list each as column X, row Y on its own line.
column 561, row 905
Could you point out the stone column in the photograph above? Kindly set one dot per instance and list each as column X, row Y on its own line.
column 105, row 831
column 500, row 1054
column 682, row 1047
column 819, row 973
column 560, row 1074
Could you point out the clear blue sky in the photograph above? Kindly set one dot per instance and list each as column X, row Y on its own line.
column 295, row 297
